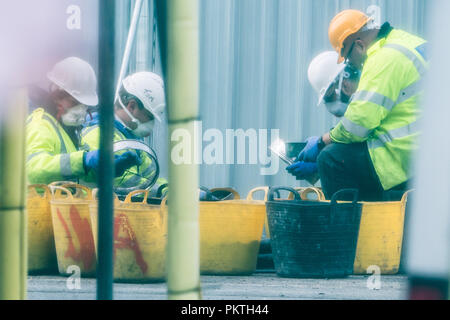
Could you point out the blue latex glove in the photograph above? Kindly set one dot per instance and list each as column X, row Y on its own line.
column 121, row 162
column 125, row 161
column 311, row 151
column 91, row 160
column 303, row 170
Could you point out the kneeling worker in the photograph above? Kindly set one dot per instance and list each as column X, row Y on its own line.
column 52, row 130
column 141, row 100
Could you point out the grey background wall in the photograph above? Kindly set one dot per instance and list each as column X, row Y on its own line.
column 254, row 59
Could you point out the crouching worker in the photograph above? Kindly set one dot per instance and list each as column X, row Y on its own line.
column 372, row 146
column 141, row 100
column 52, row 130
column 335, row 84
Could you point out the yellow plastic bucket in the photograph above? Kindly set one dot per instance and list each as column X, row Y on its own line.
column 250, row 198
column 230, row 235
column 140, row 239
column 380, row 236
column 41, row 244
column 74, row 240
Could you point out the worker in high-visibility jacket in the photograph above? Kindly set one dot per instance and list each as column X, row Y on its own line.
column 371, row 148
column 52, row 130
column 141, row 100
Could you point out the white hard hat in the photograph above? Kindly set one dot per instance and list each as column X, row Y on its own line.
column 77, row 78
column 323, row 71
column 148, row 87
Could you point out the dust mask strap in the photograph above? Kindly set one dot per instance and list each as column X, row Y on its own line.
column 133, row 119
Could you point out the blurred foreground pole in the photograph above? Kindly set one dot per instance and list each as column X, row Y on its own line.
column 178, row 27
column 106, row 168
column 13, row 235
column 428, row 236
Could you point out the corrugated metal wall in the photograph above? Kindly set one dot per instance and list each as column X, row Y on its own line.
column 254, row 60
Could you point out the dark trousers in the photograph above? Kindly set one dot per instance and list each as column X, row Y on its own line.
column 348, row 166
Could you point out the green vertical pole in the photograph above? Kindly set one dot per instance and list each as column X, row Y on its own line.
column 106, row 169
column 178, row 25
column 13, row 234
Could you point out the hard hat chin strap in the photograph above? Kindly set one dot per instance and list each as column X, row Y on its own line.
column 133, row 119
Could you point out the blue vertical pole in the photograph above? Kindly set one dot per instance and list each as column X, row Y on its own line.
column 106, row 83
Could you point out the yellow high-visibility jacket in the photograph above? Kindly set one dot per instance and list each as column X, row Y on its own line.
column 51, row 154
column 385, row 109
column 90, row 140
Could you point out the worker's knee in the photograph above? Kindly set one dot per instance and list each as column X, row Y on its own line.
column 325, row 158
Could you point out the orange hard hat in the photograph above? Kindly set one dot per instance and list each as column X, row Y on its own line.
column 342, row 26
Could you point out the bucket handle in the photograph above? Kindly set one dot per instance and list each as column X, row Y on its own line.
column 162, row 209
column 306, row 191
column 231, row 190
column 159, row 192
column 299, row 190
column 405, row 196
column 335, row 197
column 253, row 191
column 135, row 192
column 164, row 203
column 60, row 183
column 32, row 190
column 79, row 188
column 56, row 192
column 276, row 190
column 354, row 192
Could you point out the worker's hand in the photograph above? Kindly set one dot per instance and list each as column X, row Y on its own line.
column 121, row 162
column 90, row 160
column 311, row 151
column 303, row 170
column 125, row 161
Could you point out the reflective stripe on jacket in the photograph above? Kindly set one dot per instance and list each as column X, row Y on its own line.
column 51, row 154
column 385, row 109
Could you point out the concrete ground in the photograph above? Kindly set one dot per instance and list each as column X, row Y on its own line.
column 256, row 287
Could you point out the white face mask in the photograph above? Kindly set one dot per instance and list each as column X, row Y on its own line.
column 337, row 108
column 143, row 129
column 75, row 116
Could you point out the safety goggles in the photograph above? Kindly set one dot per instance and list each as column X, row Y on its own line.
column 349, row 52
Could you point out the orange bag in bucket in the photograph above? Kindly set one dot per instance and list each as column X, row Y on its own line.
column 41, row 244
column 74, row 239
column 140, row 239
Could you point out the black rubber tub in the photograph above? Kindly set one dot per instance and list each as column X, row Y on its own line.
column 313, row 239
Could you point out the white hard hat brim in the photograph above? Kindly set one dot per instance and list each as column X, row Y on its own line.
column 333, row 79
column 88, row 100
column 158, row 118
